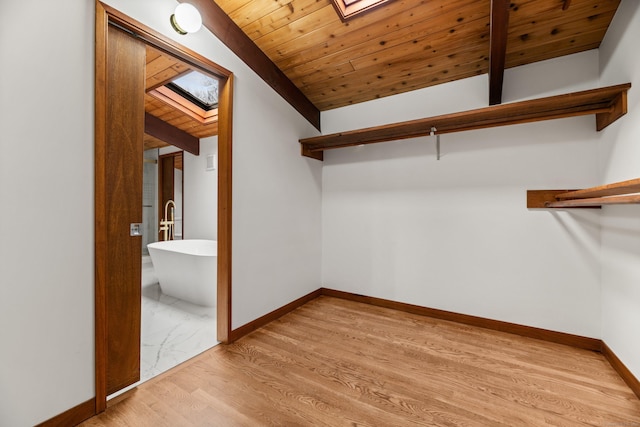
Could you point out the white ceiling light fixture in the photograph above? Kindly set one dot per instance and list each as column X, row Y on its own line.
column 186, row 19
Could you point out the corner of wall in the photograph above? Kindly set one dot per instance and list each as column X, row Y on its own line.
column 618, row 151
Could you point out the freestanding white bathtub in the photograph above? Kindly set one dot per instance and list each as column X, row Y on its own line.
column 187, row 269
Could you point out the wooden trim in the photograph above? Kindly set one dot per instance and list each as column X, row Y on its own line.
column 621, row 369
column 275, row 314
column 166, row 177
column 104, row 16
column 223, row 27
column 171, row 98
column 595, row 101
column 498, row 48
column 73, row 416
column 171, row 134
column 496, row 325
column 165, row 44
column 100, row 233
column 225, row 177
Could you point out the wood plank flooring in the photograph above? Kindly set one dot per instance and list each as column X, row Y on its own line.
column 334, row 362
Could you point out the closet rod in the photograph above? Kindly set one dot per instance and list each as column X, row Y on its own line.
column 624, row 187
column 618, row 193
column 595, row 201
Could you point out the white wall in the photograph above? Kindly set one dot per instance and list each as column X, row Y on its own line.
column 619, row 154
column 46, row 225
column 455, row 234
column 46, row 171
column 201, row 193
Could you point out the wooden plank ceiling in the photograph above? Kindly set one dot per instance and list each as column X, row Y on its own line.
column 161, row 69
column 405, row 45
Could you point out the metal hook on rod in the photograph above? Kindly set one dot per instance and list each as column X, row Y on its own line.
column 433, row 132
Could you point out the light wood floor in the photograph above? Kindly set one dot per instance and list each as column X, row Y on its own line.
column 335, row 362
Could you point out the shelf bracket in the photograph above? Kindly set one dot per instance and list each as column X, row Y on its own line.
column 617, row 109
column 543, row 199
column 306, row 152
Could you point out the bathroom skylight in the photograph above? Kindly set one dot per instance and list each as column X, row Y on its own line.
column 347, row 9
column 192, row 93
column 198, row 88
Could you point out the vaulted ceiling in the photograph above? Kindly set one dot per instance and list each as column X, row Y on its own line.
column 409, row 44
column 317, row 61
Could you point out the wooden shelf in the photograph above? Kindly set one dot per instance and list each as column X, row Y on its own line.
column 607, row 103
column 619, row 193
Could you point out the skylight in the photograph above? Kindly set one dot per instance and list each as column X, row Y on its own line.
column 347, row 9
column 197, row 88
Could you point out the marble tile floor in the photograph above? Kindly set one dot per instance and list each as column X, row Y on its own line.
column 173, row 330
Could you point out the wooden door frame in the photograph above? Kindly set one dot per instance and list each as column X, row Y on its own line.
column 105, row 16
column 161, row 181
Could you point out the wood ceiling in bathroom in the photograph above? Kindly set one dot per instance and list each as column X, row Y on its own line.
column 161, row 69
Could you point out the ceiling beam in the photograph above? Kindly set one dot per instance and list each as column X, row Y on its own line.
column 498, row 48
column 223, row 27
column 171, row 134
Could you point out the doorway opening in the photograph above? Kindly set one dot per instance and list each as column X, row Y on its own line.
column 117, row 290
column 178, row 317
